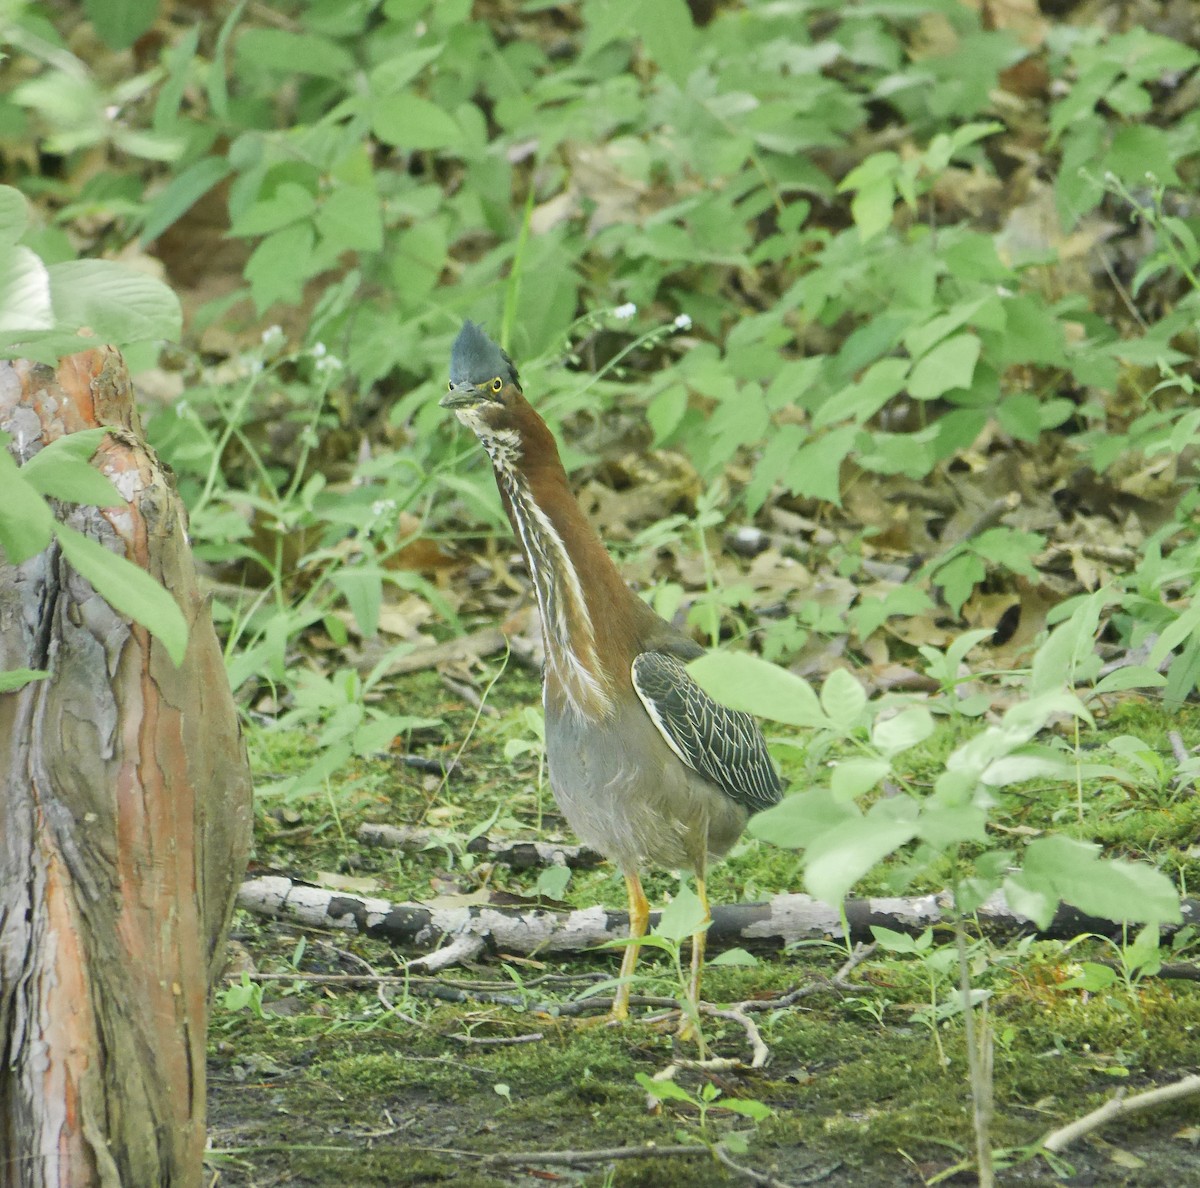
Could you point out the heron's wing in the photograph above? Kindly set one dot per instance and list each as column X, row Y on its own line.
column 723, row 745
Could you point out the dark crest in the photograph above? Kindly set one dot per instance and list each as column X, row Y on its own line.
column 476, row 359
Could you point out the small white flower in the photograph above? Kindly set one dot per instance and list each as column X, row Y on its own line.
column 383, row 507
column 272, row 335
column 624, row 312
column 682, row 322
column 318, row 350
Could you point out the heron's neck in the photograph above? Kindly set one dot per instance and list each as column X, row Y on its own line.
column 572, row 574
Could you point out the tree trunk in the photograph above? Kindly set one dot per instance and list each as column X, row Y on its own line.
column 124, row 825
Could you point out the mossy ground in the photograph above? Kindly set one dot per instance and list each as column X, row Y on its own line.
column 338, row 1086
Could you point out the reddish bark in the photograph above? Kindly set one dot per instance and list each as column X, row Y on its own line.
column 124, row 825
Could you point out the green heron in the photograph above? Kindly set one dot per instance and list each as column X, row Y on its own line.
column 645, row 766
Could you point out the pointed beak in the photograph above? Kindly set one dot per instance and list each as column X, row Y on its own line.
column 460, row 396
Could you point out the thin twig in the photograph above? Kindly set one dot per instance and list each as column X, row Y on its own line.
column 583, row 1158
column 755, row 1177
column 1118, row 1107
column 497, row 1041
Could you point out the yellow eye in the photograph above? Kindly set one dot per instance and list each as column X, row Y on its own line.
column 497, row 384
column 449, row 385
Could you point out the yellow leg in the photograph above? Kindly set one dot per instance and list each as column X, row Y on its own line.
column 698, row 941
column 639, row 918
column 688, row 1028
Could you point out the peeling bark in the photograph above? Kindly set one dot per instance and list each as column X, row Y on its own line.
column 124, row 825
column 782, row 920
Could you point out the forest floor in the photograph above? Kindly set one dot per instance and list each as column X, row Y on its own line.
column 328, row 1082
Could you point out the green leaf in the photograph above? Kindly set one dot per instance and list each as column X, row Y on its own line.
column 892, row 941
column 289, row 203
column 25, row 302
column 279, row 266
column 745, row 682
column 284, row 52
column 816, row 470
column 117, row 304
column 120, row 22
column 850, row 778
column 949, row 365
column 663, row 1090
column 17, row 678
column 734, row 957
column 909, row 727
column 61, row 470
column 129, row 589
column 843, row 699
column 667, row 32
column 411, row 122
column 851, row 850
column 1060, row 868
column 875, row 184
column 350, row 220
column 362, row 588
column 1092, row 978
column 552, row 882
column 797, row 821
column 747, row 1107
column 14, row 215
column 26, row 522
column 682, row 917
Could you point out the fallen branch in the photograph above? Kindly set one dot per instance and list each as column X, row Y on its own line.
column 1118, row 1107
column 783, row 920
column 521, row 855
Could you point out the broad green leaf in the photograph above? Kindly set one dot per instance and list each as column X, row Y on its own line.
column 25, row 301
column 816, row 470
column 26, row 521
column 1092, row 978
column 350, row 219
column 682, row 917
column 906, row 729
column 1016, row 769
column 892, row 941
column 1061, row 868
column 13, row 679
column 128, row 589
column 290, row 203
column 843, row 699
column 279, row 266
column 946, row 826
column 748, row 1107
column 851, row 850
column 117, row 304
column 1068, row 655
column 663, row 1090
column 798, row 820
column 285, row 52
column 14, row 216
column 949, row 365
column 850, row 778
column 121, row 22
column 734, row 957
column 60, row 470
column 411, row 122
column 745, row 682
column 667, row 32
column 552, row 882
column 362, row 587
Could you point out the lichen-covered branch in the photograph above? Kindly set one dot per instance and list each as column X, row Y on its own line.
column 781, row 920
